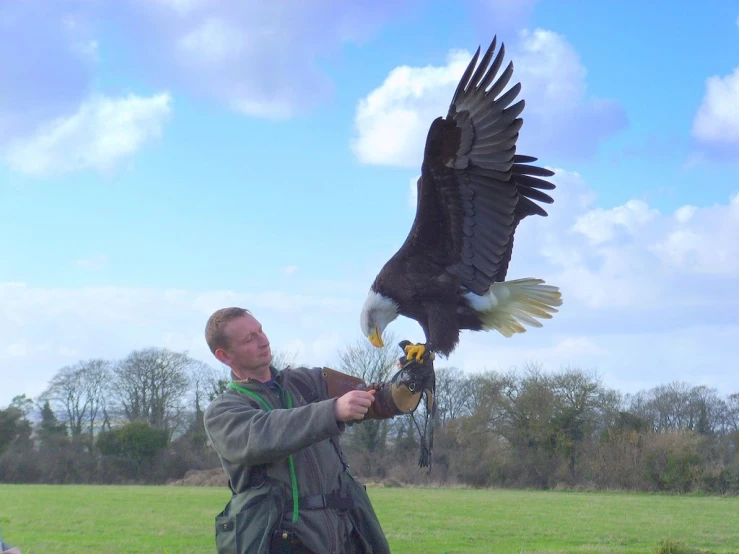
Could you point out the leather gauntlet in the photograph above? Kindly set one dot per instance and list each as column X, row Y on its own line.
column 400, row 395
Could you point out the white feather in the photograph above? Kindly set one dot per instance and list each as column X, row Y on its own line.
column 508, row 305
column 377, row 310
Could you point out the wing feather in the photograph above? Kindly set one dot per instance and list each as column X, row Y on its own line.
column 474, row 189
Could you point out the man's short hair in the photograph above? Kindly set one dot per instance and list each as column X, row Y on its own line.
column 215, row 334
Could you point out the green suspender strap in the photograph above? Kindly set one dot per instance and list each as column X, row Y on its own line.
column 290, row 461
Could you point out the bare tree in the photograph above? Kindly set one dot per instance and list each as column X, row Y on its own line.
column 481, row 389
column 206, row 381
column 452, row 389
column 65, row 394
column 97, row 377
column 369, row 363
column 151, row 385
column 78, row 393
column 707, row 411
column 283, row 358
column 677, row 406
column 732, row 413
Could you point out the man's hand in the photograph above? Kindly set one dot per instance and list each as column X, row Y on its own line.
column 353, row 405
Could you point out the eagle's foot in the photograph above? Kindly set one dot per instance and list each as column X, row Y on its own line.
column 416, row 352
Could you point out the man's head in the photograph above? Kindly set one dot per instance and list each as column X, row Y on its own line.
column 236, row 339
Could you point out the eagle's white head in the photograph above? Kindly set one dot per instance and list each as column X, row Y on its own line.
column 378, row 311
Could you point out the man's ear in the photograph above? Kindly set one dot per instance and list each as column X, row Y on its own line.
column 221, row 355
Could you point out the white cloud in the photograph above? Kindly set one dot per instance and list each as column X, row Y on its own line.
column 277, row 109
column 16, row 350
column 392, row 121
column 560, row 118
column 87, row 50
column 633, row 257
column 658, row 269
column 261, row 59
column 705, row 243
column 101, row 134
column 213, row 41
column 181, row 7
column 685, row 213
column 509, row 15
column 324, row 348
column 256, row 58
column 97, row 262
column 290, row 269
column 49, row 68
column 67, row 352
column 717, row 119
column 601, row 225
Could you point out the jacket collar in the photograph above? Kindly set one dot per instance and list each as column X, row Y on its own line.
column 251, row 382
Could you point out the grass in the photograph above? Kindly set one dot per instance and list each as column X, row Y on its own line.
column 49, row 519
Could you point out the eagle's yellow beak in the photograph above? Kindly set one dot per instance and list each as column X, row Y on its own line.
column 375, row 337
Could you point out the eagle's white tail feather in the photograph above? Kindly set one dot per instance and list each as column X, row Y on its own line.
column 508, row 305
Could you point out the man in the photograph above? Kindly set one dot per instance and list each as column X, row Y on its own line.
column 276, row 434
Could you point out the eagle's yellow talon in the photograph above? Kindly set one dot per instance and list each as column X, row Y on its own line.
column 415, row 351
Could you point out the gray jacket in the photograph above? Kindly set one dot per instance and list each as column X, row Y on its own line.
column 271, row 451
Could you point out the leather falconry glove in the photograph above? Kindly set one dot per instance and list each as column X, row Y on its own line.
column 399, row 395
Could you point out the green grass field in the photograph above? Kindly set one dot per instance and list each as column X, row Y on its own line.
column 178, row 520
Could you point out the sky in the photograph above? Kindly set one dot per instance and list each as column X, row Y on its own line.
column 161, row 159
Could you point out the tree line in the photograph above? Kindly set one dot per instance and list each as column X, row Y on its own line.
column 139, row 420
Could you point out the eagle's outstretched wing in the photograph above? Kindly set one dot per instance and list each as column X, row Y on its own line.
column 474, row 189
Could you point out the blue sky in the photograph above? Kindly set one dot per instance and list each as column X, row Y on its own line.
column 161, row 159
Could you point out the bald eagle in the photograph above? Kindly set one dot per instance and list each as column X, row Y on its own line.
column 473, row 192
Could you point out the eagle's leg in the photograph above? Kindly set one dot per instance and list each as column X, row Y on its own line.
column 441, row 328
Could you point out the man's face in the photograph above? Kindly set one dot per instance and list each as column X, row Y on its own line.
column 249, row 350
